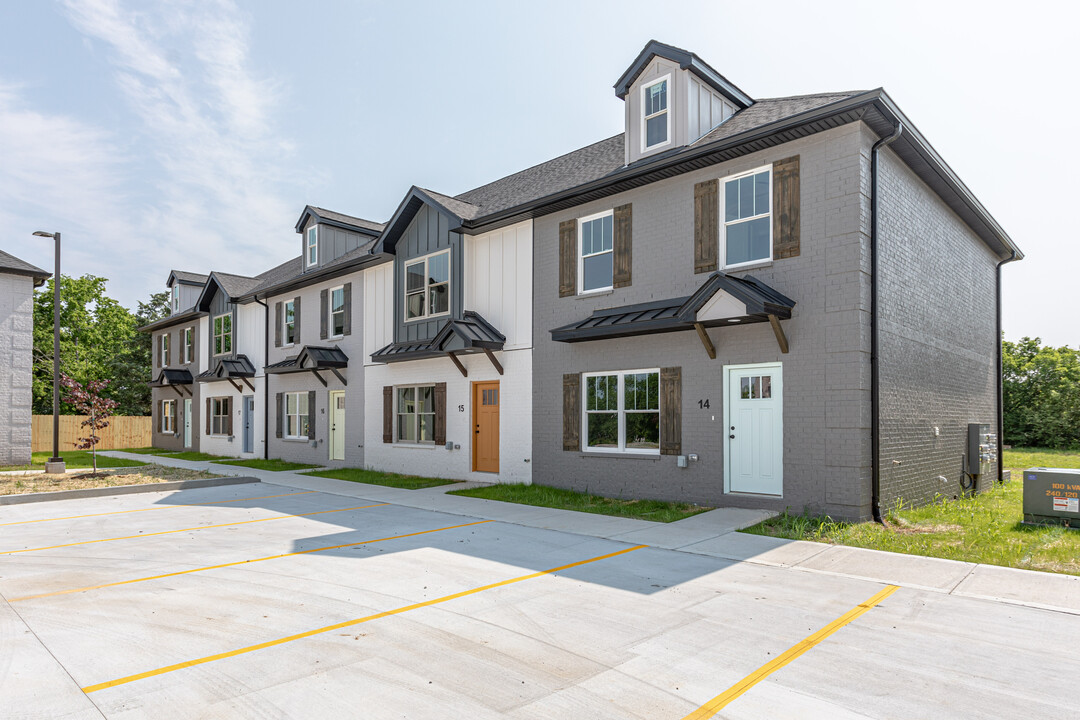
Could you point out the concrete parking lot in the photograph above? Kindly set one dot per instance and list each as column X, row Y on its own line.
column 270, row 601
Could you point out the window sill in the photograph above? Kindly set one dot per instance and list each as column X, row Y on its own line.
column 748, row 266
column 595, row 293
column 415, row 446
column 427, row 317
column 297, row 439
column 620, row 455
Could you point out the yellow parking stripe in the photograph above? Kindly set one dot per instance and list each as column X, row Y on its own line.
column 197, row 527
column 243, row 562
column 159, row 507
column 722, row 700
column 349, row 623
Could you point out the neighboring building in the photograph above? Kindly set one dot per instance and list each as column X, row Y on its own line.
column 777, row 303
column 17, row 282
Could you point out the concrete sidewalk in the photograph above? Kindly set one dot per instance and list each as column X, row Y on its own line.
column 711, row 533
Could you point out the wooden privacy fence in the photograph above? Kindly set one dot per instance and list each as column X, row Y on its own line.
column 123, row 432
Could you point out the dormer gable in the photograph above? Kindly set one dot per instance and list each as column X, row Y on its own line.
column 673, row 98
column 327, row 235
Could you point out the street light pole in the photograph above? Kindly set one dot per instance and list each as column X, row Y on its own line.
column 55, row 463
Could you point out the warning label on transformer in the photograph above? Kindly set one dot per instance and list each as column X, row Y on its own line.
column 1067, row 504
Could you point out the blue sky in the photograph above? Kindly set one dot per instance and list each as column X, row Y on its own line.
column 190, row 134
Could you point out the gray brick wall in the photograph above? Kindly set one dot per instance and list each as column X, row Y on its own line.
column 826, row 374
column 937, row 337
column 16, row 352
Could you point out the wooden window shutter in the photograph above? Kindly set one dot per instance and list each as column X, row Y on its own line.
column 571, row 411
column 440, row 413
column 228, row 415
column 279, row 422
column 786, row 201
column 347, row 293
column 671, row 411
column 208, row 400
column 706, row 225
column 168, row 350
column 175, row 415
column 157, row 411
column 194, row 343
column 296, row 321
column 623, row 246
column 323, row 312
column 568, row 252
column 388, row 414
column 157, row 351
column 311, row 414
column 278, row 319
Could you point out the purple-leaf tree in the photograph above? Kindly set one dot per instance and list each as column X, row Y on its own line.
column 87, row 401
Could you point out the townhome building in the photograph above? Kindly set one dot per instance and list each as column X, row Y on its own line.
column 176, row 342
column 314, row 372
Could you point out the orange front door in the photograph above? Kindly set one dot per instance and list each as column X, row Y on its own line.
column 486, row 422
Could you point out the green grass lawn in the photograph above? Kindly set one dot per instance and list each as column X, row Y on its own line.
column 373, row 477
column 544, row 496
column 74, row 459
column 984, row 529
column 195, row 456
column 272, row 465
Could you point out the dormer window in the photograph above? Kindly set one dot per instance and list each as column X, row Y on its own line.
column 312, row 245
column 656, row 131
column 175, row 299
column 427, row 286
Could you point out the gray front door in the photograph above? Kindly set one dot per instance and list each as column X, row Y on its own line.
column 249, row 423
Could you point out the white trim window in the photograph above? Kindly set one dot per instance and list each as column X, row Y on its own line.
column 596, row 235
column 288, row 321
column 168, row 410
column 296, row 416
column 655, row 118
column 427, row 286
column 175, row 299
column 219, row 415
column 416, row 414
column 337, row 311
column 311, row 253
column 747, row 213
column 622, row 412
column 165, row 349
column 189, row 345
column 223, row 334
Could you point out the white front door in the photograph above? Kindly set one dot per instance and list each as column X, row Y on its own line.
column 754, row 429
column 337, row 425
column 187, row 422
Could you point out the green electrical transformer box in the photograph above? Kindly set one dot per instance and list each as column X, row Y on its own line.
column 1052, row 497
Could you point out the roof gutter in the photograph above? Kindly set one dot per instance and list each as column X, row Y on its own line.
column 875, row 385
column 310, row 278
column 1000, row 373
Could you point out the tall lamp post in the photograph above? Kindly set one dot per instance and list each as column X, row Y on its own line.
column 55, row 463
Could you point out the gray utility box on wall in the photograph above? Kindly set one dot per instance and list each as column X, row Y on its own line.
column 982, row 449
column 1052, row 497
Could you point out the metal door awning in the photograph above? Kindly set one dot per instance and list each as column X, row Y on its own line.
column 313, row 359
column 471, row 334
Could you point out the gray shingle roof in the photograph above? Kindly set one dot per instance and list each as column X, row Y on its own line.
column 462, row 208
column 293, row 270
column 348, row 219
column 236, row 285
column 596, row 161
column 189, row 277
column 14, row 266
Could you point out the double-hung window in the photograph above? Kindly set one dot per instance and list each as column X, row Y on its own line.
column 296, row 415
column 622, row 411
column 748, row 218
column 289, row 331
column 312, row 245
column 337, row 312
column 427, row 286
column 223, row 334
column 219, row 415
column 654, row 114
column 189, row 345
column 175, row 299
column 416, row 414
column 168, row 408
column 597, row 236
column 165, row 349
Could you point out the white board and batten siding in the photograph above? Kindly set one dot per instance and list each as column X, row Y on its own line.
column 707, row 108
column 499, row 281
column 249, row 334
column 378, row 308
